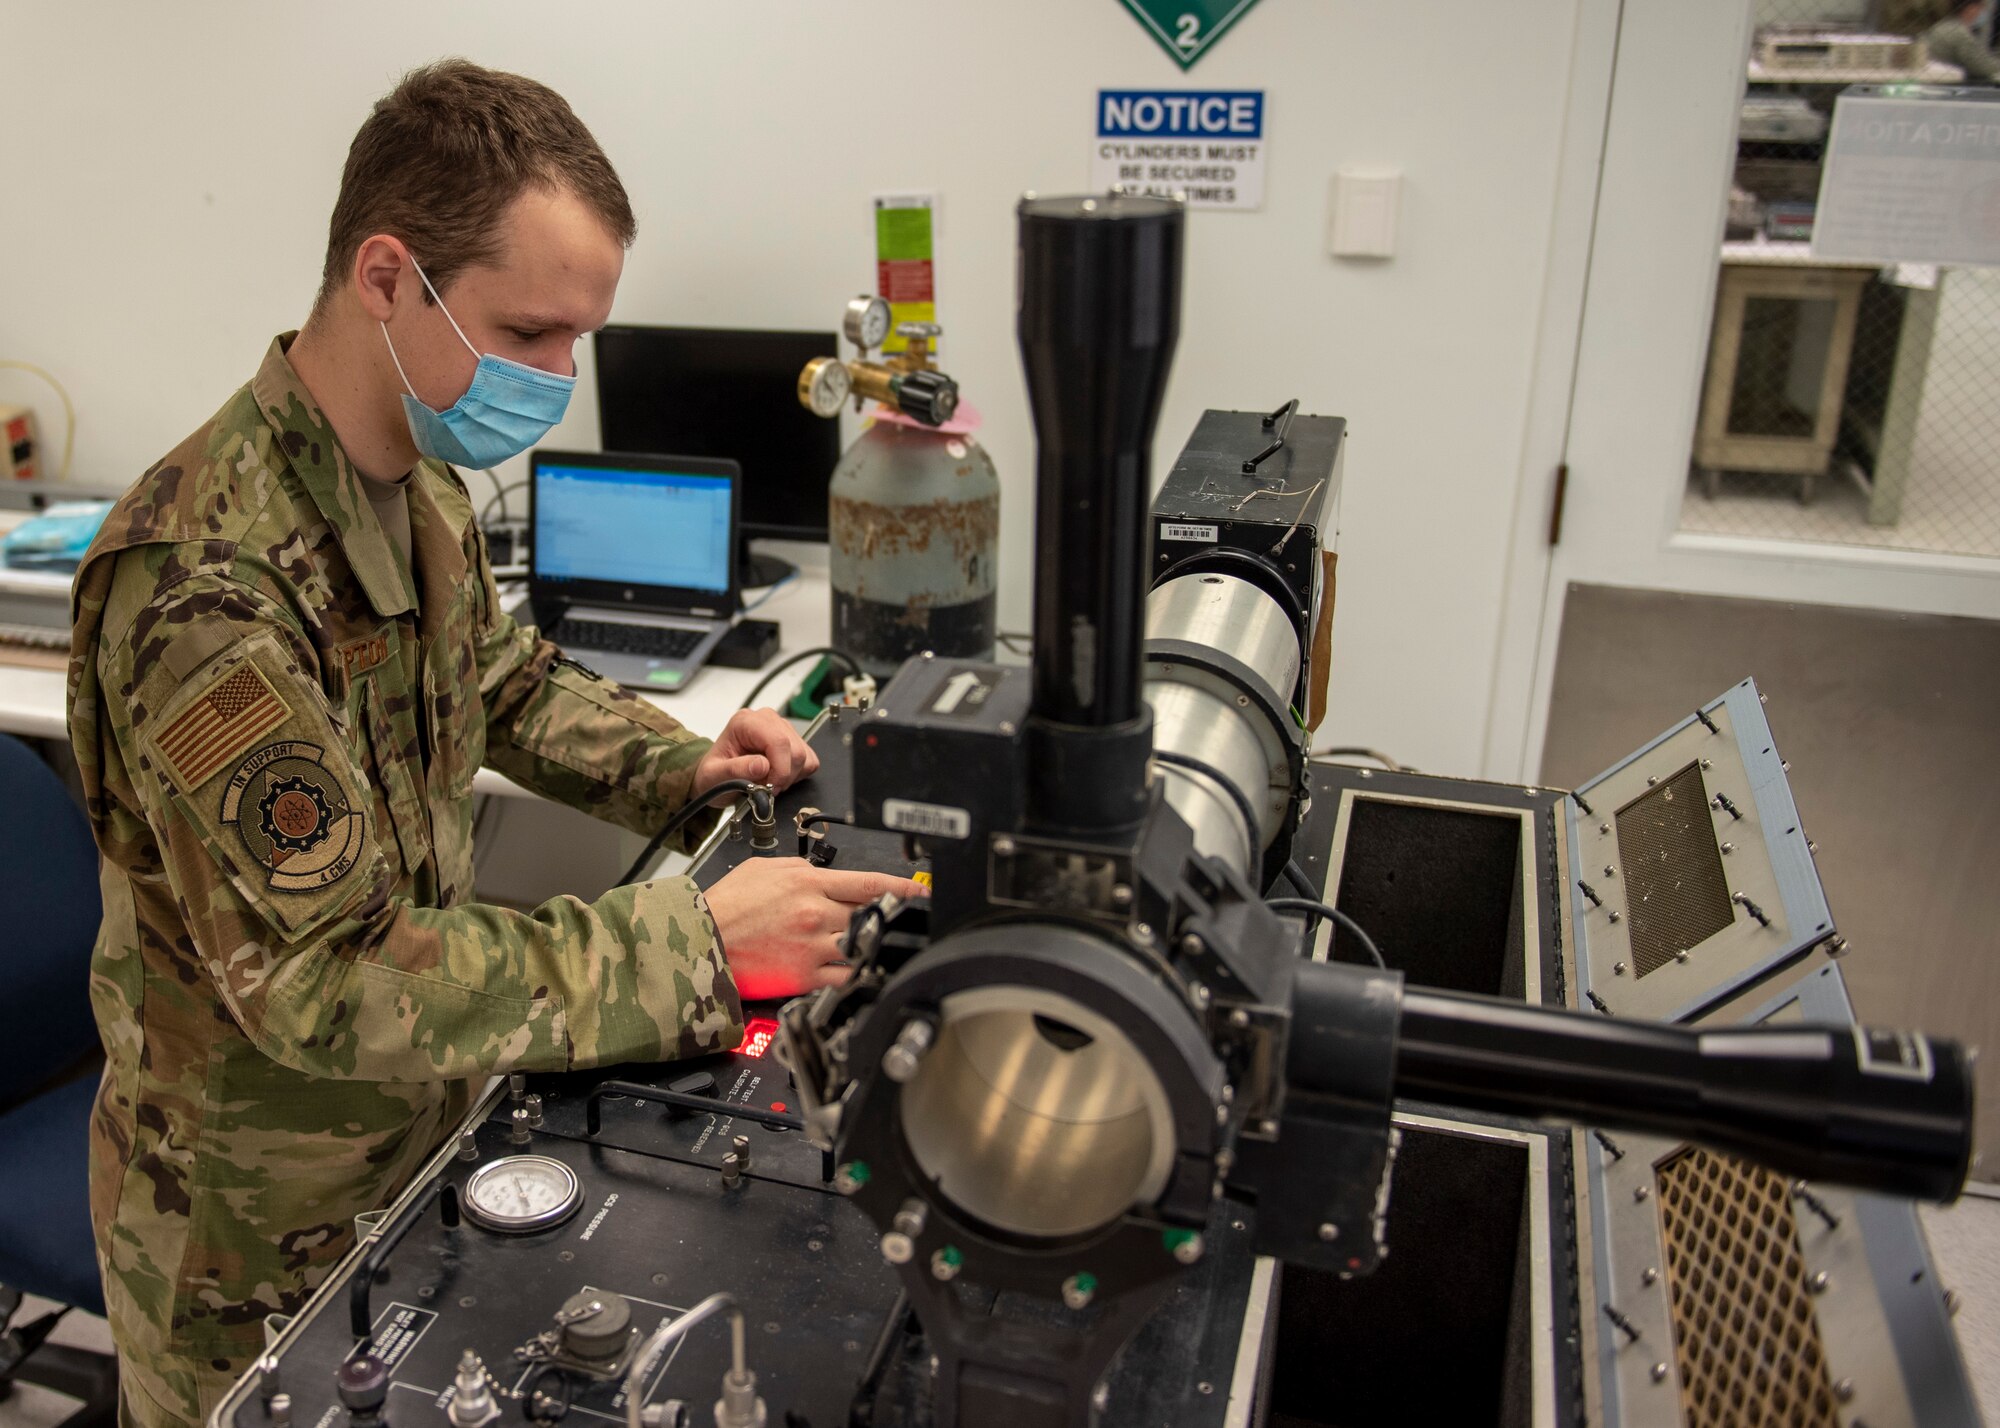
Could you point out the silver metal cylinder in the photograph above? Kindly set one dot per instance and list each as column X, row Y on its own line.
column 1036, row 1115
column 1222, row 754
column 914, row 517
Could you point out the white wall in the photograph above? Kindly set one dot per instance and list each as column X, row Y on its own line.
column 185, row 159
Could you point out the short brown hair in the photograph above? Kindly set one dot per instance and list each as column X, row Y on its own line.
column 443, row 155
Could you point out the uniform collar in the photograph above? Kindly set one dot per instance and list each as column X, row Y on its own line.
column 308, row 442
column 439, row 513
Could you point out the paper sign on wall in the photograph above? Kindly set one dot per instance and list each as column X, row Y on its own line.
column 1911, row 178
column 1207, row 144
column 904, row 270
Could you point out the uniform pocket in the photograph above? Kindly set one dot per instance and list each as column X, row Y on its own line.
column 391, row 724
column 457, row 729
column 452, row 704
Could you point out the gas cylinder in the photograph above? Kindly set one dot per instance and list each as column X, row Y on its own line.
column 913, row 510
column 914, row 520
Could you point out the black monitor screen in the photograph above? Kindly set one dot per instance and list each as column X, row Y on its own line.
column 731, row 395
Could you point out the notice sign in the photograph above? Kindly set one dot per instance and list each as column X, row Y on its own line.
column 1208, row 145
column 1911, row 179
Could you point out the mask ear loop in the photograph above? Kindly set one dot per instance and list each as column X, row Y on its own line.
column 447, row 317
column 442, row 308
column 399, row 363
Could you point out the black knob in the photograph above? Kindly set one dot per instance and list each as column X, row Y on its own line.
column 930, row 397
column 363, row 1385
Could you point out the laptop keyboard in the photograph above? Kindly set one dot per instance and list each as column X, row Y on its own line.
column 619, row 637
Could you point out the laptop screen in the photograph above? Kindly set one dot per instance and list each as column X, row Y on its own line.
column 627, row 523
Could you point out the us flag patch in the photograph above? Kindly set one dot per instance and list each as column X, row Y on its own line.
column 238, row 711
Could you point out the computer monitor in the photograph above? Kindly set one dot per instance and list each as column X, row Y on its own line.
column 732, row 395
column 648, row 532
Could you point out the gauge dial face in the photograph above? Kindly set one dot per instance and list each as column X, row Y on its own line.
column 825, row 385
column 867, row 322
column 519, row 1193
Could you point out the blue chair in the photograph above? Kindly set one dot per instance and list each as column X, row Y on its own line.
column 48, row 1077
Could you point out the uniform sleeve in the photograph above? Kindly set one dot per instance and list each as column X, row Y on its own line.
column 574, row 736
column 259, row 798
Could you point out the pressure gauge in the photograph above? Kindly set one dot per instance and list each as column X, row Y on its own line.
column 522, row 1193
column 866, row 322
column 824, row 385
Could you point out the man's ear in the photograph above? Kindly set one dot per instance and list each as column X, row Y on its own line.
column 381, row 264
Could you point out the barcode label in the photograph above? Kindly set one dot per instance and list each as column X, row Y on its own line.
column 935, row 819
column 1202, row 533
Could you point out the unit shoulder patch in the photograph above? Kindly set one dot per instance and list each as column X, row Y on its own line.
column 293, row 816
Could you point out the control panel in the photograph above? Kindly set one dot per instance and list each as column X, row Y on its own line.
column 524, row 1275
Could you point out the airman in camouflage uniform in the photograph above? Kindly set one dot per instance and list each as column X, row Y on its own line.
column 278, row 722
column 289, row 660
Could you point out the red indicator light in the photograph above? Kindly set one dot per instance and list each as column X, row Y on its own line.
column 757, row 1036
column 778, row 1106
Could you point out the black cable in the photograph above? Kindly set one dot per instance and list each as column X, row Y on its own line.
column 808, row 820
column 1296, row 875
column 680, row 819
column 1321, row 909
column 550, row 1408
column 821, row 651
column 498, row 498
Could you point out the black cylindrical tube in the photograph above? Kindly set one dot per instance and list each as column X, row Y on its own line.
column 1879, row 1111
column 1100, row 305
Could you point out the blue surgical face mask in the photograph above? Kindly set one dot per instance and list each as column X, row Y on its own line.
column 507, row 409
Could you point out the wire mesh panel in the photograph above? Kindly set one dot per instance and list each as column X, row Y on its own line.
column 1746, row 1340
column 1845, row 402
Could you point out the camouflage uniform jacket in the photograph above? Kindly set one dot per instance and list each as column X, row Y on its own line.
column 277, row 738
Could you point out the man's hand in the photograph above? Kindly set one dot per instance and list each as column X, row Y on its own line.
column 781, row 921
column 759, row 745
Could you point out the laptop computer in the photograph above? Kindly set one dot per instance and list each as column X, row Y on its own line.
column 632, row 563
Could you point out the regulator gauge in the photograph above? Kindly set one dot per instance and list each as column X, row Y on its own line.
column 824, row 385
column 866, row 322
column 519, row 1194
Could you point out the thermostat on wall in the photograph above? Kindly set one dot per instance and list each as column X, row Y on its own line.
column 1364, row 213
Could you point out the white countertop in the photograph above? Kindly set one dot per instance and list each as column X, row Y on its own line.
column 31, row 700
column 1782, row 253
column 1933, row 72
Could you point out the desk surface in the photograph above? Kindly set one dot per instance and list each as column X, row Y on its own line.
column 1932, row 72
column 31, row 700
column 1782, row 253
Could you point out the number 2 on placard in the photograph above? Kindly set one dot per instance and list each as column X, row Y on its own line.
column 1190, row 34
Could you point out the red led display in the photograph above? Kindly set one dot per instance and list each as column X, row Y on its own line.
column 757, row 1035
